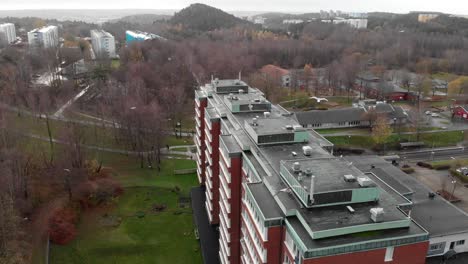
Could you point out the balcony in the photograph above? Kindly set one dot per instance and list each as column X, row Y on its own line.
column 197, row 121
column 225, row 172
column 251, row 234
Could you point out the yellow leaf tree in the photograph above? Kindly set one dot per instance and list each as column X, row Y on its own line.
column 381, row 131
column 458, row 86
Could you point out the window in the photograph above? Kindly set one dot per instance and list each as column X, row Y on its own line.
column 460, row 242
column 389, row 254
column 435, row 247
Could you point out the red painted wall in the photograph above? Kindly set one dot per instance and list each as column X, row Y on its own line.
column 215, row 131
column 273, row 245
column 235, row 216
column 407, row 254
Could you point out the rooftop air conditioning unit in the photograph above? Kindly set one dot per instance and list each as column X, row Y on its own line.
column 365, row 182
column 308, row 172
column 296, row 167
column 349, row 178
column 266, row 114
column 241, row 91
column 307, row 150
column 377, row 214
column 257, row 100
column 254, row 121
column 289, row 127
column 294, row 154
column 298, row 128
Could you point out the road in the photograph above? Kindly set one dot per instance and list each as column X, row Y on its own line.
column 434, row 154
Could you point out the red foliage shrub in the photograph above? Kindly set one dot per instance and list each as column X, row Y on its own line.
column 62, row 226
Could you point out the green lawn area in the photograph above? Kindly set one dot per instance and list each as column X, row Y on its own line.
column 438, row 139
column 115, row 63
column 157, row 237
column 327, row 131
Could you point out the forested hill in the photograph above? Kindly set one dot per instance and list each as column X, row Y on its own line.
column 205, row 18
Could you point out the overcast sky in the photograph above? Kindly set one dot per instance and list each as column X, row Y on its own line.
column 398, row 6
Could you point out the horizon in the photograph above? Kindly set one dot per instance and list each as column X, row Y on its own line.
column 293, row 7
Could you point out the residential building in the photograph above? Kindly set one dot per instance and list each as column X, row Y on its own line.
column 361, row 116
column 7, row 33
column 277, row 75
column 424, row 18
column 460, row 112
column 45, row 37
column 353, row 22
column 279, row 196
column 259, row 20
column 293, row 21
column 139, row 36
column 103, row 43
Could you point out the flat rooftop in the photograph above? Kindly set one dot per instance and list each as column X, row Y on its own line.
column 101, row 33
column 315, row 244
column 329, row 173
column 264, row 200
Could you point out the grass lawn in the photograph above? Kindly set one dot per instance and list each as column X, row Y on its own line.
column 438, row 139
column 157, row 237
column 343, row 130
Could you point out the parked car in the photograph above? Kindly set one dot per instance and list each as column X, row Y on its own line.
column 428, row 112
column 463, row 170
column 435, row 115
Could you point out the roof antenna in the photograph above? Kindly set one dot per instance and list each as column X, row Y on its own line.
column 240, row 75
column 211, row 77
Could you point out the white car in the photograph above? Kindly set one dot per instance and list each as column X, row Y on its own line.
column 428, row 112
column 435, row 115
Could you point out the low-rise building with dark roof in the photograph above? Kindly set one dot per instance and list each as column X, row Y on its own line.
column 447, row 225
column 351, row 116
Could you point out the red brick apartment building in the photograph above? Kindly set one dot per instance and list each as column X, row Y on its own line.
column 278, row 195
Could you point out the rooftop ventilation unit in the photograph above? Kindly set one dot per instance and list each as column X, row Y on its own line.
column 350, row 209
column 349, row 178
column 266, row 114
column 365, row 182
column 377, row 214
column 294, row 154
column 296, row 167
column 298, row 128
column 254, row 121
column 241, row 91
column 230, row 96
column 257, row 100
column 307, row 150
column 308, row 172
column 289, row 127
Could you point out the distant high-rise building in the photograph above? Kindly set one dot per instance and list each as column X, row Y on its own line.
column 138, row 36
column 45, row 37
column 103, row 43
column 7, row 33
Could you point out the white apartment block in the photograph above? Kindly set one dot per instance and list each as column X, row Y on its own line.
column 353, row 22
column 103, row 43
column 7, row 33
column 45, row 37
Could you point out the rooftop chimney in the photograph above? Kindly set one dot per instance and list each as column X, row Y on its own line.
column 312, row 188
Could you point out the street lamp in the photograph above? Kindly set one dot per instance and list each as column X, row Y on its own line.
column 454, row 182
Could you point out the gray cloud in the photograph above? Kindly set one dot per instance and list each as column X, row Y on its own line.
column 400, row 6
